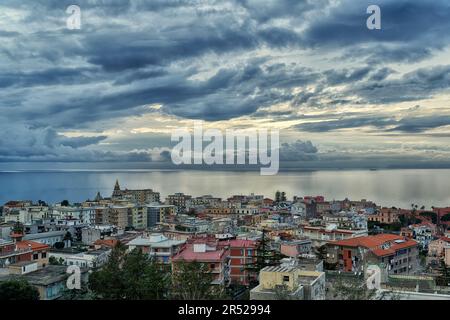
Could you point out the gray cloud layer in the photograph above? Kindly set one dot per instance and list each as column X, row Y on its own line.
column 211, row 60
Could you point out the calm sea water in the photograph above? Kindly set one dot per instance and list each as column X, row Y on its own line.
column 385, row 187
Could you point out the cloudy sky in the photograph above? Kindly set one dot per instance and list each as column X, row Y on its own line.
column 340, row 94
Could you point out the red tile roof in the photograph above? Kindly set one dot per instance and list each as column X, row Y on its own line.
column 368, row 242
column 374, row 243
column 106, row 242
column 188, row 254
column 35, row 246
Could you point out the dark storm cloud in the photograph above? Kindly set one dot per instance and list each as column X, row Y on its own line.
column 419, row 26
column 141, row 57
column 229, row 93
column 345, row 76
column 133, row 53
column 298, row 151
column 415, row 124
column 419, row 84
column 51, row 76
column 345, row 123
column 420, row 124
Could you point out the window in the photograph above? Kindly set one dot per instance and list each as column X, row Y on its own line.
column 212, row 265
column 286, row 278
column 35, row 256
column 44, row 255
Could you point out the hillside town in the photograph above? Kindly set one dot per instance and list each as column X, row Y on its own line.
column 247, row 246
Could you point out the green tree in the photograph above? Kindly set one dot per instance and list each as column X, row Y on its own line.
column 265, row 256
column 431, row 215
column 192, row 281
column 144, row 279
column 444, row 275
column 18, row 290
column 18, row 227
column 277, row 196
column 352, row 289
column 68, row 236
column 78, row 294
column 282, row 292
column 59, row 245
column 108, row 282
column 65, row 203
column 53, row 261
column 129, row 276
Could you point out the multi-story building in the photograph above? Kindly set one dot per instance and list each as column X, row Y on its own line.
column 447, row 255
column 39, row 251
column 436, row 250
column 393, row 253
column 139, row 217
column 347, row 220
column 15, row 205
column 157, row 213
column 157, row 246
column 218, row 210
column 436, row 247
column 295, row 248
column 89, row 259
column 178, row 200
column 423, row 233
column 207, row 201
column 242, row 256
column 49, row 238
column 207, row 251
column 246, row 210
column 117, row 216
column 322, row 235
column 385, row 215
column 26, row 214
column 101, row 215
column 140, row 196
column 86, row 215
column 9, row 254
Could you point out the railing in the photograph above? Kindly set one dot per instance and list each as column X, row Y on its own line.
column 15, row 252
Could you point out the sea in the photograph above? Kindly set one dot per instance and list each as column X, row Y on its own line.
column 395, row 187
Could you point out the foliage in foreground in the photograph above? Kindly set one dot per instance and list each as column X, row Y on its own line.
column 18, row 290
column 133, row 276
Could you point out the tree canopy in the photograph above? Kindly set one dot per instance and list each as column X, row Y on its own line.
column 18, row 290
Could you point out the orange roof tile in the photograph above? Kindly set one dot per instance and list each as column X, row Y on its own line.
column 33, row 245
column 368, row 242
column 106, row 242
column 374, row 243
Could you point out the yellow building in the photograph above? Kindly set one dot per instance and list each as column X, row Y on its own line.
column 289, row 282
column 139, row 217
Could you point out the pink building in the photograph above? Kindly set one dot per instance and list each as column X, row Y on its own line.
column 295, row 248
column 209, row 251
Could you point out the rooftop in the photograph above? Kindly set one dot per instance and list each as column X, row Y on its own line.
column 35, row 246
column 45, row 276
column 375, row 243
